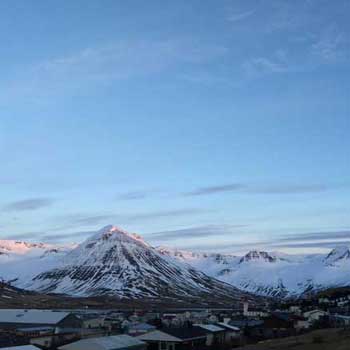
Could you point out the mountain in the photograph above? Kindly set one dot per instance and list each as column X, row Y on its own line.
column 275, row 274
column 23, row 260
column 115, row 262
column 339, row 255
column 254, row 256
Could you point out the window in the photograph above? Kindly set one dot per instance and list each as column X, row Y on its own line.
column 163, row 345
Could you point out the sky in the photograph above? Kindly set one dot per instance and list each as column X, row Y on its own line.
column 204, row 125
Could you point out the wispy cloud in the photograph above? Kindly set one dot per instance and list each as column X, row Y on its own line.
column 28, row 204
column 259, row 189
column 165, row 214
column 289, row 189
column 278, row 62
column 331, row 45
column 67, row 237
column 215, row 189
column 77, row 220
column 101, row 65
column 236, row 17
column 134, row 195
column 195, row 232
column 317, row 236
column 315, row 244
column 35, row 236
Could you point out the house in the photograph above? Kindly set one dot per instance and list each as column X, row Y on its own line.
column 314, row 315
column 13, row 318
column 323, row 300
column 189, row 338
column 232, row 333
column 48, row 341
column 115, row 342
column 30, row 332
column 253, row 311
column 296, row 309
column 92, row 321
column 140, row 328
column 215, row 334
column 301, row 323
column 340, row 320
column 246, row 323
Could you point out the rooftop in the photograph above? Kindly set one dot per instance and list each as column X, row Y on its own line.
column 103, row 343
column 31, row 316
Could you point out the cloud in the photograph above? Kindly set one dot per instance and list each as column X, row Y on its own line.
column 71, row 221
column 29, row 204
column 278, row 62
column 164, row 214
column 330, row 245
column 97, row 66
column 236, row 17
column 135, row 195
column 332, row 235
column 233, row 187
column 91, row 220
column 25, row 236
column 254, row 189
column 195, row 232
column 72, row 236
column 290, row 189
column 330, row 46
column 258, row 66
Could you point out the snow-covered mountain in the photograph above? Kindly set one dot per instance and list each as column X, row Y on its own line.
column 114, row 262
column 274, row 274
column 21, row 260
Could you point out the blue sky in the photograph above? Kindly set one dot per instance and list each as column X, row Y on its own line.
column 208, row 125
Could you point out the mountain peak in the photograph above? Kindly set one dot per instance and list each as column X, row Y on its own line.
column 114, row 232
column 337, row 254
column 255, row 255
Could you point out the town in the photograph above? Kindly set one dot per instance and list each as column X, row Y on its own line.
column 174, row 329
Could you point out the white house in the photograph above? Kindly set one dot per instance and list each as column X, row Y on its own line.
column 314, row 315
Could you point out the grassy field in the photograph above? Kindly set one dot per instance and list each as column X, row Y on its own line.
column 324, row 339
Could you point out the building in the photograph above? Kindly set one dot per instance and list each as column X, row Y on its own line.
column 215, row 334
column 30, row 332
column 116, row 342
column 232, row 333
column 340, row 320
column 314, row 315
column 92, row 321
column 253, row 311
column 189, row 338
column 140, row 328
column 13, row 319
column 301, row 323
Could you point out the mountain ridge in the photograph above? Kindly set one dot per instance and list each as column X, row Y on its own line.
column 114, row 261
